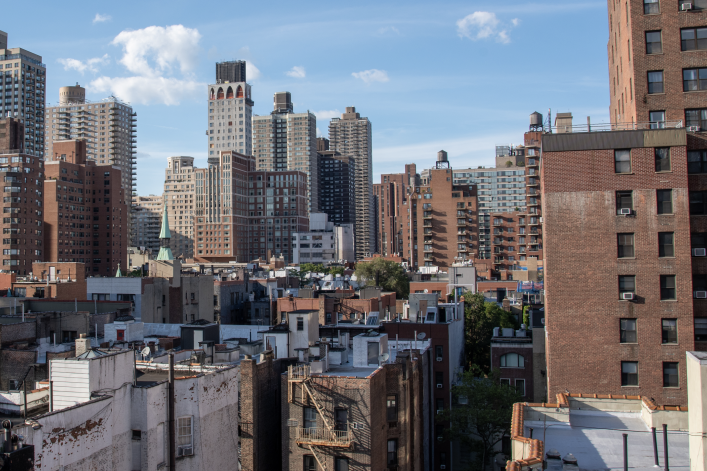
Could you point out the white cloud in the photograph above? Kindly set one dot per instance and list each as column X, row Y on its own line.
column 372, row 75
column 251, row 71
column 319, row 133
column 388, row 29
column 296, row 72
column 101, row 18
column 147, row 90
column 327, row 114
column 90, row 64
column 167, row 47
column 485, row 25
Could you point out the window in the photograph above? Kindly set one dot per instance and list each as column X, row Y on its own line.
column 693, row 38
column 439, row 405
column 670, row 375
column 341, row 464
column 14, row 384
column 439, row 352
column 184, row 431
column 694, row 80
column 625, row 245
column 697, row 161
column 662, row 159
column 651, row 7
column 657, row 119
column 512, row 360
column 666, row 247
column 506, row 381
column 655, row 81
column 624, row 200
column 654, row 44
column 300, row 324
column 628, row 330
column 627, row 284
column 439, row 379
column 699, row 283
column 696, row 117
column 310, row 464
column 670, row 331
column 667, row 287
column 391, row 407
column 698, row 240
column 698, row 203
column 622, row 161
column 392, row 452
column 341, row 418
column 665, row 201
column 310, row 417
column 696, row 4
column 520, row 386
column 629, row 373
column 700, row 329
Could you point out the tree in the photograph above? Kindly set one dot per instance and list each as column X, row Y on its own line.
column 482, row 415
column 480, row 319
column 311, row 268
column 336, row 271
column 390, row 275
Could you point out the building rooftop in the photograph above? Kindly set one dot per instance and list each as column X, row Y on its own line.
column 348, row 370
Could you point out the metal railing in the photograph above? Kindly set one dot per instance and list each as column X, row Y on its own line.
column 297, row 372
column 324, row 437
column 602, row 127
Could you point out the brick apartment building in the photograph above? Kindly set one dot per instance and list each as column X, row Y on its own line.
column 390, row 198
column 656, row 60
column 624, row 221
column 85, row 211
column 23, row 181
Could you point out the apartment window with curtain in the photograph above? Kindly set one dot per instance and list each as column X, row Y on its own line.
column 666, row 244
column 622, row 161
column 667, row 288
column 655, row 82
column 669, row 331
column 392, row 452
column 625, row 245
column 670, row 374
column 628, row 330
column 654, row 42
column 629, row 373
column 662, row 159
column 651, row 7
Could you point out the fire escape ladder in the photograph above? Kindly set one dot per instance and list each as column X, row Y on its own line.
column 316, row 404
column 316, row 457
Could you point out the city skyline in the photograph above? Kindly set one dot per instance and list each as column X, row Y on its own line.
column 390, row 43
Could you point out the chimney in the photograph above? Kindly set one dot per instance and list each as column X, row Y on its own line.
column 82, row 344
column 506, row 305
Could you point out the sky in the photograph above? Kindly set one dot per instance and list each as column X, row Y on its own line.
column 456, row 76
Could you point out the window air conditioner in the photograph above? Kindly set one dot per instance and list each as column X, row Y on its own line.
column 439, row 358
column 693, row 128
column 625, row 211
column 686, row 7
column 627, row 296
column 701, row 294
column 439, row 386
column 699, row 252
column 185, row 450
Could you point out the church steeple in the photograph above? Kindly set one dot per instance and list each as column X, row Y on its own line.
column 165, row 252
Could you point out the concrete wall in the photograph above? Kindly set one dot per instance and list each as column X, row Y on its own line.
column 360, row 348
column 155, row 301
column 310, row 332
column 115, row 286
column 696, row 388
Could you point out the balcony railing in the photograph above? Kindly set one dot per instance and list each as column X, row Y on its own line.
column 324, row 437
column 297, row 372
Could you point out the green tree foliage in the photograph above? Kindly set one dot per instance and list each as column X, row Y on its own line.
column 336, row 271
column 391, row 276
column 480, row 319
column 480, row 423
column 137, row 273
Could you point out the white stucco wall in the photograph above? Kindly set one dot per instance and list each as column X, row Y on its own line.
column 360, row 348
column 114, row 287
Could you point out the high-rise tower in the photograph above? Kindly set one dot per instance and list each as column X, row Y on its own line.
column 230, row 72
column 230, row 111
column 350, row 135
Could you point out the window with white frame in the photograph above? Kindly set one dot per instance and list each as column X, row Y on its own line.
column 185, row 431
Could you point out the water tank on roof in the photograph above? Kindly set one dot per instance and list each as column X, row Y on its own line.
column 536, row 119
column 442, row 156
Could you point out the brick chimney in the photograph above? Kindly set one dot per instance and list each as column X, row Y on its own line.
column 506, row 304
column 82, row 344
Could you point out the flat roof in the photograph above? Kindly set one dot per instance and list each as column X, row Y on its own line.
column 595, row 439
column 348, row 370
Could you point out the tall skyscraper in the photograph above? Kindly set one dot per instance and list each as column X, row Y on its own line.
column 350, row 135
column 337, row 177
column 108, row 127
column 179, row 191
column 147, row 214
column 230, row 112
column 286, row 141
column 23, row 80
column 230, row 72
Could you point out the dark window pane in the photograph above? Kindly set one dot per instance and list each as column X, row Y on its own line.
column 627, row 284
column 310, row 464
column 687, row 39
column 628, row 330
column 341, row 464
column 698, row 240
column 624, row 200
column 700, row 329
column 662, row 159
column 670, row 330
column 629, row 373
column 670, row 375
column 697, row 202
column 653, row 43
column 622, row 161
column 657, row 119
column 667, row 287
column 655, row 81
column 665, row 201
column 699, row 283
column 697, row 161
column 651, row 7
column 392, row 408
column 689, row 80
column 666, row 245
column 702, row 38
column 625, row 244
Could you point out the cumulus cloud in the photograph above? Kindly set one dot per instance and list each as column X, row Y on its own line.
column 167, row 47
column 372, row 75
column 327, row 114
column 82, row 66
column 485, row 25
column 296, row 72
column 147, row 90
column 101, row 18
column 251, row 71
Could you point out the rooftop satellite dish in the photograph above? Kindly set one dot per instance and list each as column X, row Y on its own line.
column 421, row 336
column 145, row 352
column 383, row 358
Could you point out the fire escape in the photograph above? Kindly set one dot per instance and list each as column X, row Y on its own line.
column 314, row 437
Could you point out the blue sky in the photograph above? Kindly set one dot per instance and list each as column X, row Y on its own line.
column 458, row 76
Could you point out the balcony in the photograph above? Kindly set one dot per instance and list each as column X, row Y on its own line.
column 531, row 162
column 533, row 182
column 533, row 203
column 461, row 222
column 534, row 221
column 319, row 436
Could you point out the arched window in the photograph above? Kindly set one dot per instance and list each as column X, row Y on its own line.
column 239, row 92
column 512, row 360
column 212, row 95
column 219, row 95
column 229, row 93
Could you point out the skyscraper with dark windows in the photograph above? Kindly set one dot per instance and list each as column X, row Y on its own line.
column 230, row 72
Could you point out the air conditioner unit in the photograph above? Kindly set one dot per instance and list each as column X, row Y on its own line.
column 693, row 129
column 627, row 296
column 701, row 294
column 439, row 358
column 625, row 211
column 699, row 252
column 686, row 7
column 439, row 386
column 185, row 450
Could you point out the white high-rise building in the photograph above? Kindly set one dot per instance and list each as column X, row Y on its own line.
column 230, row 113
column 179, row 191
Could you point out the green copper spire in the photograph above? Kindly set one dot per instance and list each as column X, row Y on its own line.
column 165, row 252
column 118, row 274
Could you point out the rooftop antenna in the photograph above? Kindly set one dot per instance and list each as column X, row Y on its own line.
column 548, row 125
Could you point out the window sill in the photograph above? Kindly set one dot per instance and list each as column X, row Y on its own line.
column 628, row 343
column 654, row 94
column 625, row 258
column 636, row 386
column 672, row 387
column 666, row 258
column 624, row 173
column 669, row 344
column 668, row 300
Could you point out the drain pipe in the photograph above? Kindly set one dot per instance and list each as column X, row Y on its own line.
column 655, row 448
column 625, row 436
column 665, row 447
column 170, row 402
